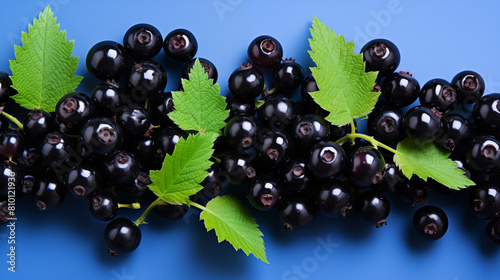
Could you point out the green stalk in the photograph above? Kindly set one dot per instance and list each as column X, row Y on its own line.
column 141, row 219
column 12, row 119
column 375, row 143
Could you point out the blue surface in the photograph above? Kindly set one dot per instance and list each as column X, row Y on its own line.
column 436, row 40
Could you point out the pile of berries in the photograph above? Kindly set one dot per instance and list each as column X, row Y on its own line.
column 100, row 147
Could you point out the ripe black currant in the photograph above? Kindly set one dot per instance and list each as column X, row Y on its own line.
column 486, row 113
column 145, row 79
column 11, row 143
column 469, row 86
column 278, row 112
column 246, row 82
column 265, row 51
column 484, row 200
column 296, row 212
column 166, row 138
column 275, row 147
column 107, row 60
column 84, row 180
column 171, row 211
column 238, row 107
column 296, row 176
column 180, row 44
column 334, row 198
column 309, row 130
column 55, row 149
column 103, row 206
column 493, row 230
column 159, row 106
column 430, row 222
column 142, row 41
column 37, row 124
column 134, row 120
column 454, row 133
column 122, row 236
column 49, row 192
column 73, row 110
column 483, row 154
column 264, row 191
column 366, row 167
column 413, row 191
column 422, row 123
column 400, row 89
column 101, row 136
column 11, row 177
column 288, row 75
column 121, row 168
column 327, row 159
column 108, row 99
column 381, row 55
column 210, row 68
column 6, row 89
column 373, row 207
column 241, row 132
column 438, row 94
column 237, row 168
column 139, row 187
column 386, row 125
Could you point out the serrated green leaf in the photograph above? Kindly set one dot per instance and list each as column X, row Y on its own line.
column 200, row 107
column 44, row 69
column 344, row 87
column 184, row 170
column 231, row 222
column 427, row 160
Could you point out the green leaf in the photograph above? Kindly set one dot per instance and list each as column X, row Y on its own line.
column 200, row 107
column 184, row 170
column 231, row 222
column 427, row 160
column 44, row 69
column 344, row 87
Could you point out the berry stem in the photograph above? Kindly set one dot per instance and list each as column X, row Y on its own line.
column 12, row 118
column 370, row 139
column 141, row 219
column 199, row 206
column 135, row 205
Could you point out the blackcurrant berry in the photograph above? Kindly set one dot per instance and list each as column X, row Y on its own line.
column 145, row 79
column 309, row 130
column 265, row 51
column 275, row 147
column 486, row 113
column 484, row 200
column 73, row 110
column 246, row 82
column 11, row 143
column 49, row 192
column 159, row 106
column 84, row 180
column 171, row 211
column 238, row 168
column 296, row 176
column 373, row 207
column 143, row 41
column 37, row 124
column 381, row 55
column 101, row 136
column 166, row 138
column 400, row 89
column 56, row 149
column 213, row 183
column 139, row 187
column 107, row 60
column 386, row 125
column 122, row 236
column 121, row 168
column 296, row 212
column 438, row 94
column 134, row 120
column 455, row 132
column 241, row 132
column 210, row 68
column 413, row 191
column 430, row 222
column 239, row 107
column 288, row 75
column 422, row 124
column 108, row 99
column 103, row 206
column 277, row 112
column 366, row 167
column 264, row 191
column 327, row 159
column 483, row 154
column 334, row 198
column 469, row 86
column 6, row 89
column 493, row 230
column 180, row 44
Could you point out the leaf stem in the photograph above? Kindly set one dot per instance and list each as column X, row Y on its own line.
column 141, row 219
column 135, row 205
column 370, row 139
column 12, row 119
column 199, row 206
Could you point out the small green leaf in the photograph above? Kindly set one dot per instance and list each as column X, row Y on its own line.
column 200, row 107
column 427, row 160
column 344, row 87
column 44, row 69
column 184, row 170
column 231, row 222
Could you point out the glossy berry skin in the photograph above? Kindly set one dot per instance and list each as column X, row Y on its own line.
column 430, row 222
column 55, row 149
column 108, row 99
column 334, row 198
column 381, row 55
column 373, row 207
column 486, row 113
column 143, row 41
column 159, row 106
column 241, row 132
column 139, row 187
column 386, row 125
column 12, row 143
column 483, row 154
column 246, row 82
column 122, row 236
column 400, row 89
column 210, row 68
column 296, row 176
column 74, row 109
column 327, row 159
column 455, row 132
column 413, row 191
column 37, row 124
column 11, row 177
column 296, row 212
column 278, row 112
column 49, row 192
column 120, row 168
column 264, row 191
column 107, row 60
column 239, row 107
column 145, row 79
column 171, row 211
column 166, row 138
column 288, row 75
column 6, row 89
column 310, row 129
column 213, row 183
column 438, row 94
column 469, row 86
column 265, row 51
column 484, row 200
column 275, row 147
column 146, row 152
column 237, row 168
column 101, row 136
column 493, row 231
column 180, row 44
column 134, row 120
column 366, row 167
column 84, row 180
column 103, row 206
column 422, row 124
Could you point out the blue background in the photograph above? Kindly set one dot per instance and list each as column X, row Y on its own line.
column 436, row 40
